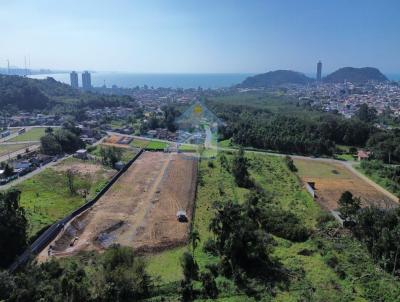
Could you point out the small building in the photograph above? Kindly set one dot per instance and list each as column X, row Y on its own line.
column 81, row 154
column 362, row 155
column 23, row 167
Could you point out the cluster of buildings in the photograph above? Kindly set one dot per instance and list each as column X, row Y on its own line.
column 24, row 164
column 346, row 98
column 34, row 119
column 86, row 80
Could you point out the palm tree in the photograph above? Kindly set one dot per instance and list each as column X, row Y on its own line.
column 194, row 238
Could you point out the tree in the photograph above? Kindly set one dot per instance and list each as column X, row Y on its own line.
column 239, row 170
column 349, row 206
column 194, row 238
column 210, row 289
column 50, row 145
column 7, row 285
column 8, row 170
column 242, row 243
column 13, row 227
column 190, row 272
column 71, row 174
column 290, row 164
column 366, row 114
column 110, row 156
column 49, row 130
column 123, row 276
column 189, row 267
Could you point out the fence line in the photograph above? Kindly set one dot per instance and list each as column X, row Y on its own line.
column 51, row 233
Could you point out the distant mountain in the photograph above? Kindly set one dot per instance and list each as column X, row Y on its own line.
column 276, row 78
column 355, row 75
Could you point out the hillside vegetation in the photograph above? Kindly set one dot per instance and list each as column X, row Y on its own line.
column 276, row 78
column 328, row 266
column 20, row 93
column 355, row 75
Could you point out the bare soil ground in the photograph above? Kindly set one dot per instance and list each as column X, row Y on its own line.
column 80, row 167
column 139, row 210
column 113, row 139
column 332, row 179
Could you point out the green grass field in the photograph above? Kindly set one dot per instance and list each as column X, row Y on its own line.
column 127, row 153
column 378, row 175
column 312, row 277
column 31, row 135
column 5, row 149
column 227, row 143
column 156, row 145
column 319, row 169
column 46, row 197
column 139, row 143
column 188, row 148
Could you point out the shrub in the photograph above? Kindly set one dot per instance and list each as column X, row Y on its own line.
column 210, row 247
column 210, row 289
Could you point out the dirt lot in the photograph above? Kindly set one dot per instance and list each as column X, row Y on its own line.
column 113, row 139
column 80, row 167
column 332, row 179
column 140, row 208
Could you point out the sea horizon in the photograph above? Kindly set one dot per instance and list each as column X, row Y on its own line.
column 156, row 80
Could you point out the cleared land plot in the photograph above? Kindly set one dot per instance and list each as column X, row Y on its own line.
column 46, row 197
column 139, row 143
column 127, row 152
column 140, row 208
column 332, row 179
column 5, row 149
column 31, row 135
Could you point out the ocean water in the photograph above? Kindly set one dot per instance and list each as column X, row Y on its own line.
column 130, row 80
column 393, row 77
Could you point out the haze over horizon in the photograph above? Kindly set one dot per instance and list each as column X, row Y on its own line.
column 201, row 37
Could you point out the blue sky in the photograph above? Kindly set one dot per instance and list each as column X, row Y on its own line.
column 201, row 36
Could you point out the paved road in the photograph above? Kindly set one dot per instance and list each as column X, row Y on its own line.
column 18, row 152
column 20, row 142
column 208, row 140
column 37, row 171
column 31, row 174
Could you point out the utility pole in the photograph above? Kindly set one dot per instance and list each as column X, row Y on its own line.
column 8, row 66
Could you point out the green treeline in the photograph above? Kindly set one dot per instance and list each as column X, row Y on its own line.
column 19, row 93
column 263, row 129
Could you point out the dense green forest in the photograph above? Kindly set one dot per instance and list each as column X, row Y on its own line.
column 260, row 121
column 19, row 93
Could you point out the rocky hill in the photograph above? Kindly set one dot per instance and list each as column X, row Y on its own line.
column 355, row 75
column 276, row 78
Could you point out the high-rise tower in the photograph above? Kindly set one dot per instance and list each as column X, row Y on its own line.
column 319, row 72
column 86, row 81
column 74, row 79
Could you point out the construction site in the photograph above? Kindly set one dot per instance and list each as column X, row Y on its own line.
column 330, row 179
column 140, row 210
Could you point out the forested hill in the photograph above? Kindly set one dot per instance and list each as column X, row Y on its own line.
column 276, row 78
column 30, row 94
column 355, row 75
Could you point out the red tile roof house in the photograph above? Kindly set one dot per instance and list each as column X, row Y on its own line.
column 362, row 154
